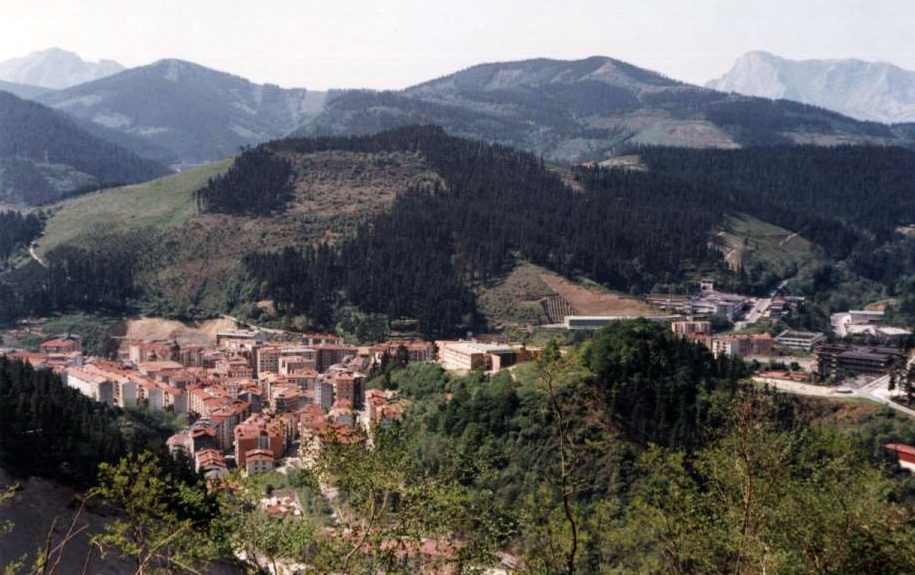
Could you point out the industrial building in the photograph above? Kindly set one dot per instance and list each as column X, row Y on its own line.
column 802, row 340
column 841, row 360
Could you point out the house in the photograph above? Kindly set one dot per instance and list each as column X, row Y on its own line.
column 65, row 344
column 257, row 461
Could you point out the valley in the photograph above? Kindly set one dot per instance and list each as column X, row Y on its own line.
column 543, row 316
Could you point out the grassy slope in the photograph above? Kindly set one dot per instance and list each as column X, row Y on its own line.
column 162, row 204
column 745, row 239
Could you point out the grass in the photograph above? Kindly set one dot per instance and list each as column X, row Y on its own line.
column 745, row 240
column 162, row 204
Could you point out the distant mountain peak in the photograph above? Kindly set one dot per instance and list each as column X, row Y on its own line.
column 873, row 91
column 55, row 68
column 195, row 113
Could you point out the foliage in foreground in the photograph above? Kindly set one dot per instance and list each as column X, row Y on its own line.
column 633, row 453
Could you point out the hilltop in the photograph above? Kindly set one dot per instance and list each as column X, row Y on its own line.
column 872, row 91
column 55, row 69
column 588, row 109
column 195, row 113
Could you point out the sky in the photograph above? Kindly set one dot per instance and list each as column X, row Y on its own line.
column 395, row 43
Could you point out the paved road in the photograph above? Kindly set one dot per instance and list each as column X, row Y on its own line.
column 875, row 391
column 759, row 308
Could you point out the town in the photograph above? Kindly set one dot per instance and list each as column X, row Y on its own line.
column 252, row 398
column 250, row 401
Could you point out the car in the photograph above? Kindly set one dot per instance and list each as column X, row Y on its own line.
column 843, row 390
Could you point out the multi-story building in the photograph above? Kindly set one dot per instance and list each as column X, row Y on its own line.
column 683, row 328
column 802, row 340
column 350, row 387
column 315, row 339
column 742, row 345
column 329, row 355
column 240, row 340
column 259, row 431
column 258, row 461
column 417, row 351
column 324, row 393
column 841, row 360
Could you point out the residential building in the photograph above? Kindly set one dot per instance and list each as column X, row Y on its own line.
column 259, row 431
column 329, row 355
column 257, row 461
column 904, row 453
column 417, row 351
column 742, row 345
column 683, row 328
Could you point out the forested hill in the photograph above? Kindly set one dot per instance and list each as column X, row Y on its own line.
column 583, row 110
column 836, row 197
column 439, row 217
column 44, row 156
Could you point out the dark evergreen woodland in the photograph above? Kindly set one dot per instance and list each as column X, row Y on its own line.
column 17, row 230
column 628, row 230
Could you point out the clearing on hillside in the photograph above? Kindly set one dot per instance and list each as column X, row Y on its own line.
column 160, row 204
column 591, row 299
column 745, row 239
column 531, row 295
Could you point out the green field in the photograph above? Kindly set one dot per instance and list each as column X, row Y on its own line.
column 745, row 240
column 161, row 204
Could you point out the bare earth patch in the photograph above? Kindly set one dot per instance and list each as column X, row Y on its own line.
column 595, row 301
column 156, row 328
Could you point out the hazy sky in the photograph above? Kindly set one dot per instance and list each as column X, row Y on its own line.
column 394, row 43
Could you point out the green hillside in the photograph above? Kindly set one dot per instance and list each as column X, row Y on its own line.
column 161, row 204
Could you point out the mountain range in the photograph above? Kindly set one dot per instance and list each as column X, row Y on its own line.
column 587, row 110
column 55, row 69
column 873, row 91
column 180, row 114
